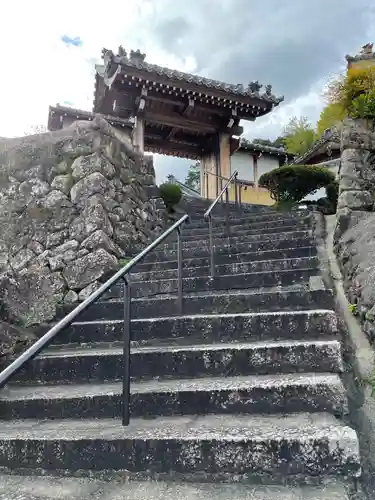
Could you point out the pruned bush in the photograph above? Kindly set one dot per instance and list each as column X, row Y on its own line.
column 171, row 195
column 292, row 183
column 332, row 191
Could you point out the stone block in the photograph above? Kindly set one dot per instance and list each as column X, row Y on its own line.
column 89, row 268
column 92, row 218
column 355, row 200
column 63, row 183
column 94, row 183
column 84, row 166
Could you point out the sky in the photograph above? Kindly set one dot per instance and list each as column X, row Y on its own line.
column 48, row 51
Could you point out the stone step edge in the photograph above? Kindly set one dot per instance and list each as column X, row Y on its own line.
column 218, row 293
column 242, row 263
column 204, row 384
column 301, row 312
column 99, row 349
column 311, row 247
column 300, row 233
column 233, row 248
column 317, row 426
column 251, row 215
column 240, row 229
column 190, row 279
column 81, row 488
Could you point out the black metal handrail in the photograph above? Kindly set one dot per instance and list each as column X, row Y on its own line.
column 239, row 183
column 207, row 215
column 47, row 338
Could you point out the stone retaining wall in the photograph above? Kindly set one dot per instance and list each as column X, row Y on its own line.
column 72, row 203
column 354, row 236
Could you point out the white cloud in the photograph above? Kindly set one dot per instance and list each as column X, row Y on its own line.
column 39, row 70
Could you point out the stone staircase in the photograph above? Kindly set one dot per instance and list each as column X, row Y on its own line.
column 244, row 388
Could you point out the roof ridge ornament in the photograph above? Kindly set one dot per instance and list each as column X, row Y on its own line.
column 121, row 52
column 254, row 87
column 137, row 57
column 268, row 90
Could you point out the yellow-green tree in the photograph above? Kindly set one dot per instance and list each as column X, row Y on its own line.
column 332, row 115
column 354, row 92
column 299, row 136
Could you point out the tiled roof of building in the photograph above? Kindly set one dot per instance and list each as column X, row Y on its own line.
column 262, row 148
column 137, row 60
column 329, row 137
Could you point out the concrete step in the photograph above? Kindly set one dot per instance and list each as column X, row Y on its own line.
column 267, row 255
column 307, row 392
column 282, row 241
column 241, row 230
column 228, row 269
column 223, row 282
column 198, row 218
column 255, row 300
column 267, row 326
column 198, row 223
column 102, row 363
column 225, row 445
column 238, row 239
column 14, row 487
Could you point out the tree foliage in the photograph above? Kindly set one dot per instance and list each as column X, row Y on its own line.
column 291, row 184
column 299, row 136
column 354, row 92
column 332, row 115
column 277, row 143
column 193, row 178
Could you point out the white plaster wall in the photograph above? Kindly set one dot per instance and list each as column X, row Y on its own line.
column 332, row 165
column 266, row 163
column 244, row 164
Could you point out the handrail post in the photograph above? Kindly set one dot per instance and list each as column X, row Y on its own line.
column 179, row 272
column 235, row 192
column 227, row 210
column 126, row 354
column 240, row 196
column 211, row 244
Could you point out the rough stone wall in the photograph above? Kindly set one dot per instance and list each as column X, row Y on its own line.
column 354, row 235
column 356, row 174
column 72, row 203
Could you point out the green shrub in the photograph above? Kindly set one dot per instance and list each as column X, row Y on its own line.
column 353, row 308
column 171, row 194
column 292, row 183
column 284, row 206
column 332, row 191
column 122, row 262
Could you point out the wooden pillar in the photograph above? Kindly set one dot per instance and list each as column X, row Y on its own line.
column 208, row 171
column 139, row 134
column 203, row 176
column 224, row 155
column 255, row 158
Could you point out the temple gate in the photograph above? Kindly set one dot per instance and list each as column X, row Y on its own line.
column 174, row 113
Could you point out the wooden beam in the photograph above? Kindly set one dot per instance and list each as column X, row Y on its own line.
column 159, row 139
column 180, row 102
column 141, row 103
column 172, row 133
column 173, row 149
column 174, row 120
column 189, row 108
